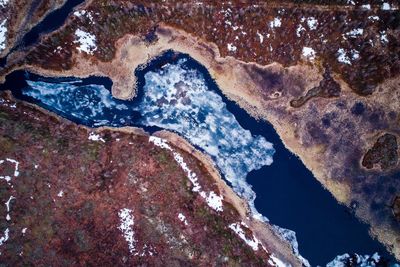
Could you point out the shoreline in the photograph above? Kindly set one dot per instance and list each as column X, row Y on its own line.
column 236, row 83
column 264, row 232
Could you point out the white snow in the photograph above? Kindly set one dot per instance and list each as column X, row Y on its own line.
column 95, row 137
column 3, row 3
column 3, row 34
column 373, row 17
column 276, row 23
column 354, row 54
column 126, row 227
column 231, row 47
column 4, row 238
column 16, row 172
column 213, row 200
column 60, row 194
column 309, row 53
column 312, row 23
column 278, row 262
column 367, row 6
column 387, row 6
column 384, row 39
column 355, row 32
column 24, row 231
column 299, row 29
column 343, row 57
column 8, row 203
column 86, row 41
column 261, row 37
column 237, row 228
column 84, row 13
column 182, row 218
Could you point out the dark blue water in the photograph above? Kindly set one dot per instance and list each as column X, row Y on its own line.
column 287, row 193
column 51, row 22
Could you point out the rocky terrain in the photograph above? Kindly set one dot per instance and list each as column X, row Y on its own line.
column 324, row 73
column 74, row 196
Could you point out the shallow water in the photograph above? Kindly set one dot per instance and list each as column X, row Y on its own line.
column 177, row 93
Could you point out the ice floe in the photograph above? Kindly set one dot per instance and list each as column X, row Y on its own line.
column 290, row 237
column 86, row 41
column 355, row 260
column 86, row 102
column 126, row 227
column 177, row 98
column 3, row 34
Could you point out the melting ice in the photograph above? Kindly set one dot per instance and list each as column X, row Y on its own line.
column 176, row 97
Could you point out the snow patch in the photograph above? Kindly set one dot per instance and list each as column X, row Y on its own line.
column 312, row 23
column 3, row 34
column 387, row 6
column 4, row 238
column 277, row 262
column 366, row 6
column 261, row 37
column 213, row 200
column 95, row 137
column 126, row 227
column 383, row 37
column 182, row 218
column 276, row 23
column 84, row 13
column 231, row 47
column 237, row 228
column 355, row 32
column 299, row 30
column 3, row 3
column 309, row 53
column 86, row 41
column 343, row 57
column 60, row 194
column 16, row 171
column 376, row 18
